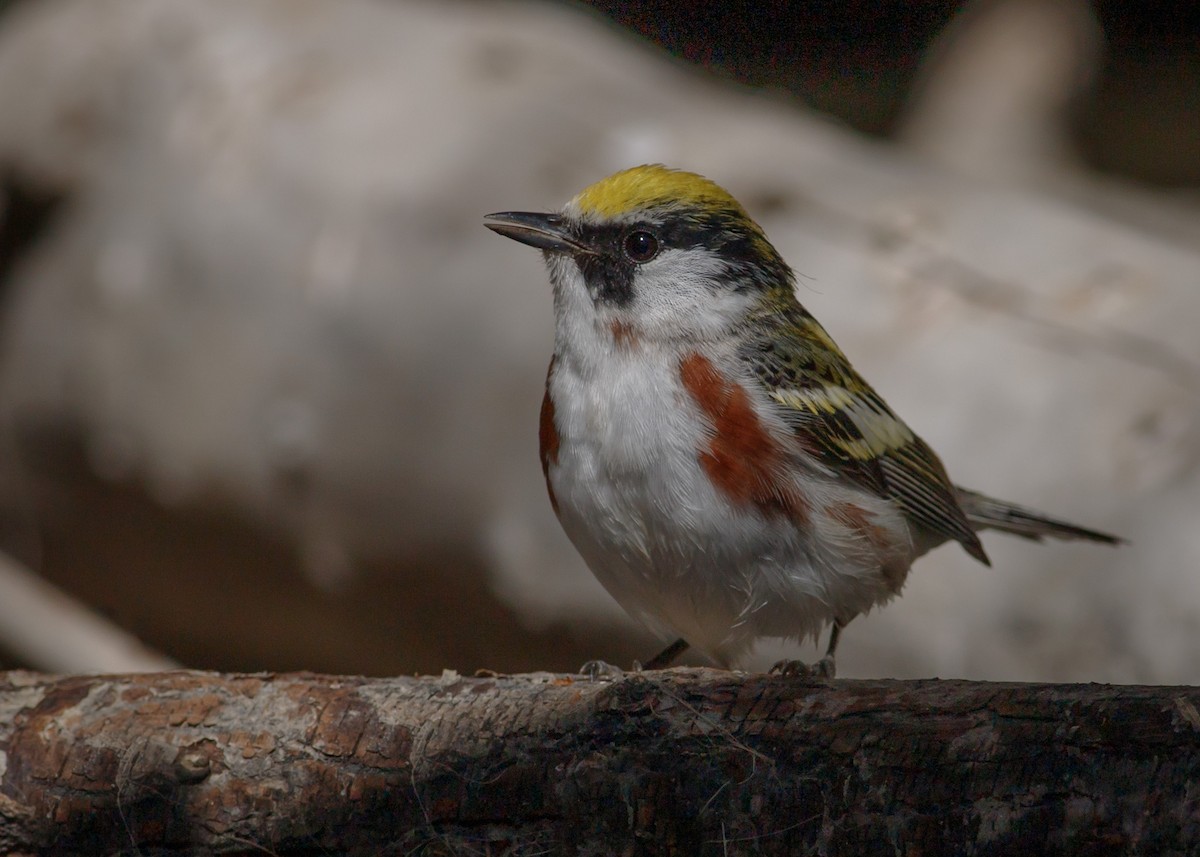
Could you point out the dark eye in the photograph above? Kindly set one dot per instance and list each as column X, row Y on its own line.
column 641, row 246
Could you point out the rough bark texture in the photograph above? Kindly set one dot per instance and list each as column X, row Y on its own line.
column 677, row 762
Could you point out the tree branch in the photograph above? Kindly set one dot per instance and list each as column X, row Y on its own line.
column 684, row 761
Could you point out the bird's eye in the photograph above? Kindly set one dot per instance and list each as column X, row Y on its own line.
column 641, row 246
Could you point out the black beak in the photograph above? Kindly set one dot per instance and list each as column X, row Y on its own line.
column 544, row 231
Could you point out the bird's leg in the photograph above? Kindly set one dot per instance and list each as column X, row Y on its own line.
column 603, row 669
column 824, row 668
column 667, row 656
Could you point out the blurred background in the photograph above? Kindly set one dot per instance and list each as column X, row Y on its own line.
column 269, row 390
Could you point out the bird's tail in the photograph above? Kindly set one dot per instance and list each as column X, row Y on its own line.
column 987, row 513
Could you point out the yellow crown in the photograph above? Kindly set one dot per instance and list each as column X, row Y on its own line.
column 651, row 185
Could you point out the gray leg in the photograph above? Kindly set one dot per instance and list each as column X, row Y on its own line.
column 826, row 667
column 667, row 656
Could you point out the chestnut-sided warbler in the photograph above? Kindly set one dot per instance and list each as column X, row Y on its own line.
column 708, row 448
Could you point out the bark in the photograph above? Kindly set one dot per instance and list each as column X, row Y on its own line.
column 678, row 762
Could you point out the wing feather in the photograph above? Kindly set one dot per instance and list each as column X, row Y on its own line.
column 843, row 422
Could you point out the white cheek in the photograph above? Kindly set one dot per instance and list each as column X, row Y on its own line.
column 674, row 296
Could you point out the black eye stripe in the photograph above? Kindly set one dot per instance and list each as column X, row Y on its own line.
column 718, row 230
column 750, row 262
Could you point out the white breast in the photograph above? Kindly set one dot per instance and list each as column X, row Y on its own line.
column 637, row 504
column 664, row 542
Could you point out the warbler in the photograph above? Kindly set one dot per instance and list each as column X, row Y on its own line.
column 725, row 472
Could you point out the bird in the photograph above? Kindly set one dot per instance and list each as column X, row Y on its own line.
column 722, row 468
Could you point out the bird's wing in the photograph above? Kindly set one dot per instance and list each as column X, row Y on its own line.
column 838, row 418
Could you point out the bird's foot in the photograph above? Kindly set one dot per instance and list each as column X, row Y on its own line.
column 598, row 670
column 823, row 669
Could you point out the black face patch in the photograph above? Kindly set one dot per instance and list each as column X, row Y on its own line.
column 609, row 274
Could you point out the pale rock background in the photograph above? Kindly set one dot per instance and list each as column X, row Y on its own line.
column 269, row 293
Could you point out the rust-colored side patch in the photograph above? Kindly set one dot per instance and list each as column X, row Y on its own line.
column 741, row 458
column 548, row 438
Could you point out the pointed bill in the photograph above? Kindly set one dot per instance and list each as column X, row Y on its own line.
column 544, row 231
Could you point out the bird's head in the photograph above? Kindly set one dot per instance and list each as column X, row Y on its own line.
column 664, row 254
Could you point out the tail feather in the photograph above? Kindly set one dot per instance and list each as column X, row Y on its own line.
column 987, row 513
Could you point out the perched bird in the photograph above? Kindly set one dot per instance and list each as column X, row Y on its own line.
column 709, row 450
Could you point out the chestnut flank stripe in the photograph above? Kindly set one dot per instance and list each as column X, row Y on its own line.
column 548, row 438
column 742, row 459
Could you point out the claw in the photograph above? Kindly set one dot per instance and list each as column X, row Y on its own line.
column 823, row 669
column 791, row 669
column 597, row 670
